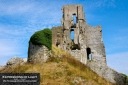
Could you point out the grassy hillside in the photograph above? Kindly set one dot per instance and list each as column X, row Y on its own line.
column 62, row 69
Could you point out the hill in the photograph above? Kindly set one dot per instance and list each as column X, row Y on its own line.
column 61, row 69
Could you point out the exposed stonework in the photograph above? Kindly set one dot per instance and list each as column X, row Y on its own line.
column 38, row 53
column 12, row 63
column 25, row 59
column 87, row 45
column 57, row 36
column 15, row 61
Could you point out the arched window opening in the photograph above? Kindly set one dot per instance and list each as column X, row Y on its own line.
column 89, row 55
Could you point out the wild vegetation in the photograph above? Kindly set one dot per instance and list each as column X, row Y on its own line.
column 126, row 78
column 42, row 37
column 61, row 69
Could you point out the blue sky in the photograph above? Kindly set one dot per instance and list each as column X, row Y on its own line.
column 19, row 19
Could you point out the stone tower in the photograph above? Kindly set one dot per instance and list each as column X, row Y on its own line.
column 87, row 45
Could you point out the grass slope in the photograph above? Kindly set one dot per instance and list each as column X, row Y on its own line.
column 62, row 69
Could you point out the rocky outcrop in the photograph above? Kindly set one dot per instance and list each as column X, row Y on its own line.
column 25, row 59
column 38, row 53
column 15, row 61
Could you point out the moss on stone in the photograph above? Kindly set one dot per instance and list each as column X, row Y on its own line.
column 42, row 37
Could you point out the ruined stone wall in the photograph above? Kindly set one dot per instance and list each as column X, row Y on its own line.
column 87, row 45
column 95, row 43
column 78, row 26
column 107, row 73
column 38, row 53
column 98, row 61
column 57, row 36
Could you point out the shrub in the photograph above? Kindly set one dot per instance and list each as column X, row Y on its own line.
column 125, row 77
column 42, row 37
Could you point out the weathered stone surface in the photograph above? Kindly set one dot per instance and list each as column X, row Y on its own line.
column 79, row 80
column 15, row 61
column 87, row 45
column 107, row 73
column 57, row 36
column 38, row 53
column 68, row 25
column 25, row 59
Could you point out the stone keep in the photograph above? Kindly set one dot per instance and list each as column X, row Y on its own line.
column 87, row 45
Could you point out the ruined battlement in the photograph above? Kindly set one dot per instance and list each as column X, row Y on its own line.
column 68, row 12
column 87, row 39
column 87, row 45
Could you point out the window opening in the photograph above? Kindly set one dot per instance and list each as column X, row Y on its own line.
column 72, row 34
column 74, row 18
column 75, row 47
column 89, row 55
column 57, row 43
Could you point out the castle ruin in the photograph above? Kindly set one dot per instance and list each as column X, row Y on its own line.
column 87, row 45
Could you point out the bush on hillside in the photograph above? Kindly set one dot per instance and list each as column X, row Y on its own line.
column 42, row 37
column 125, row 77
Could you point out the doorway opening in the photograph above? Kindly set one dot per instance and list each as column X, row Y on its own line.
column 89, row 55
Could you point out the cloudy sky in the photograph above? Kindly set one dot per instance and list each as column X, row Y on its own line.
column 19, row 19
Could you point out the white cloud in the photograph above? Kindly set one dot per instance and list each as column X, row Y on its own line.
column 8, row 7
column 99, row 4
column 8, row 48
column 30, row 12
column 12, row 47
column 118, row 61
column 14, row 34
column 27, row 7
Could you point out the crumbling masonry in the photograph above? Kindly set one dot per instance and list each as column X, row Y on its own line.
column 87, row 45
